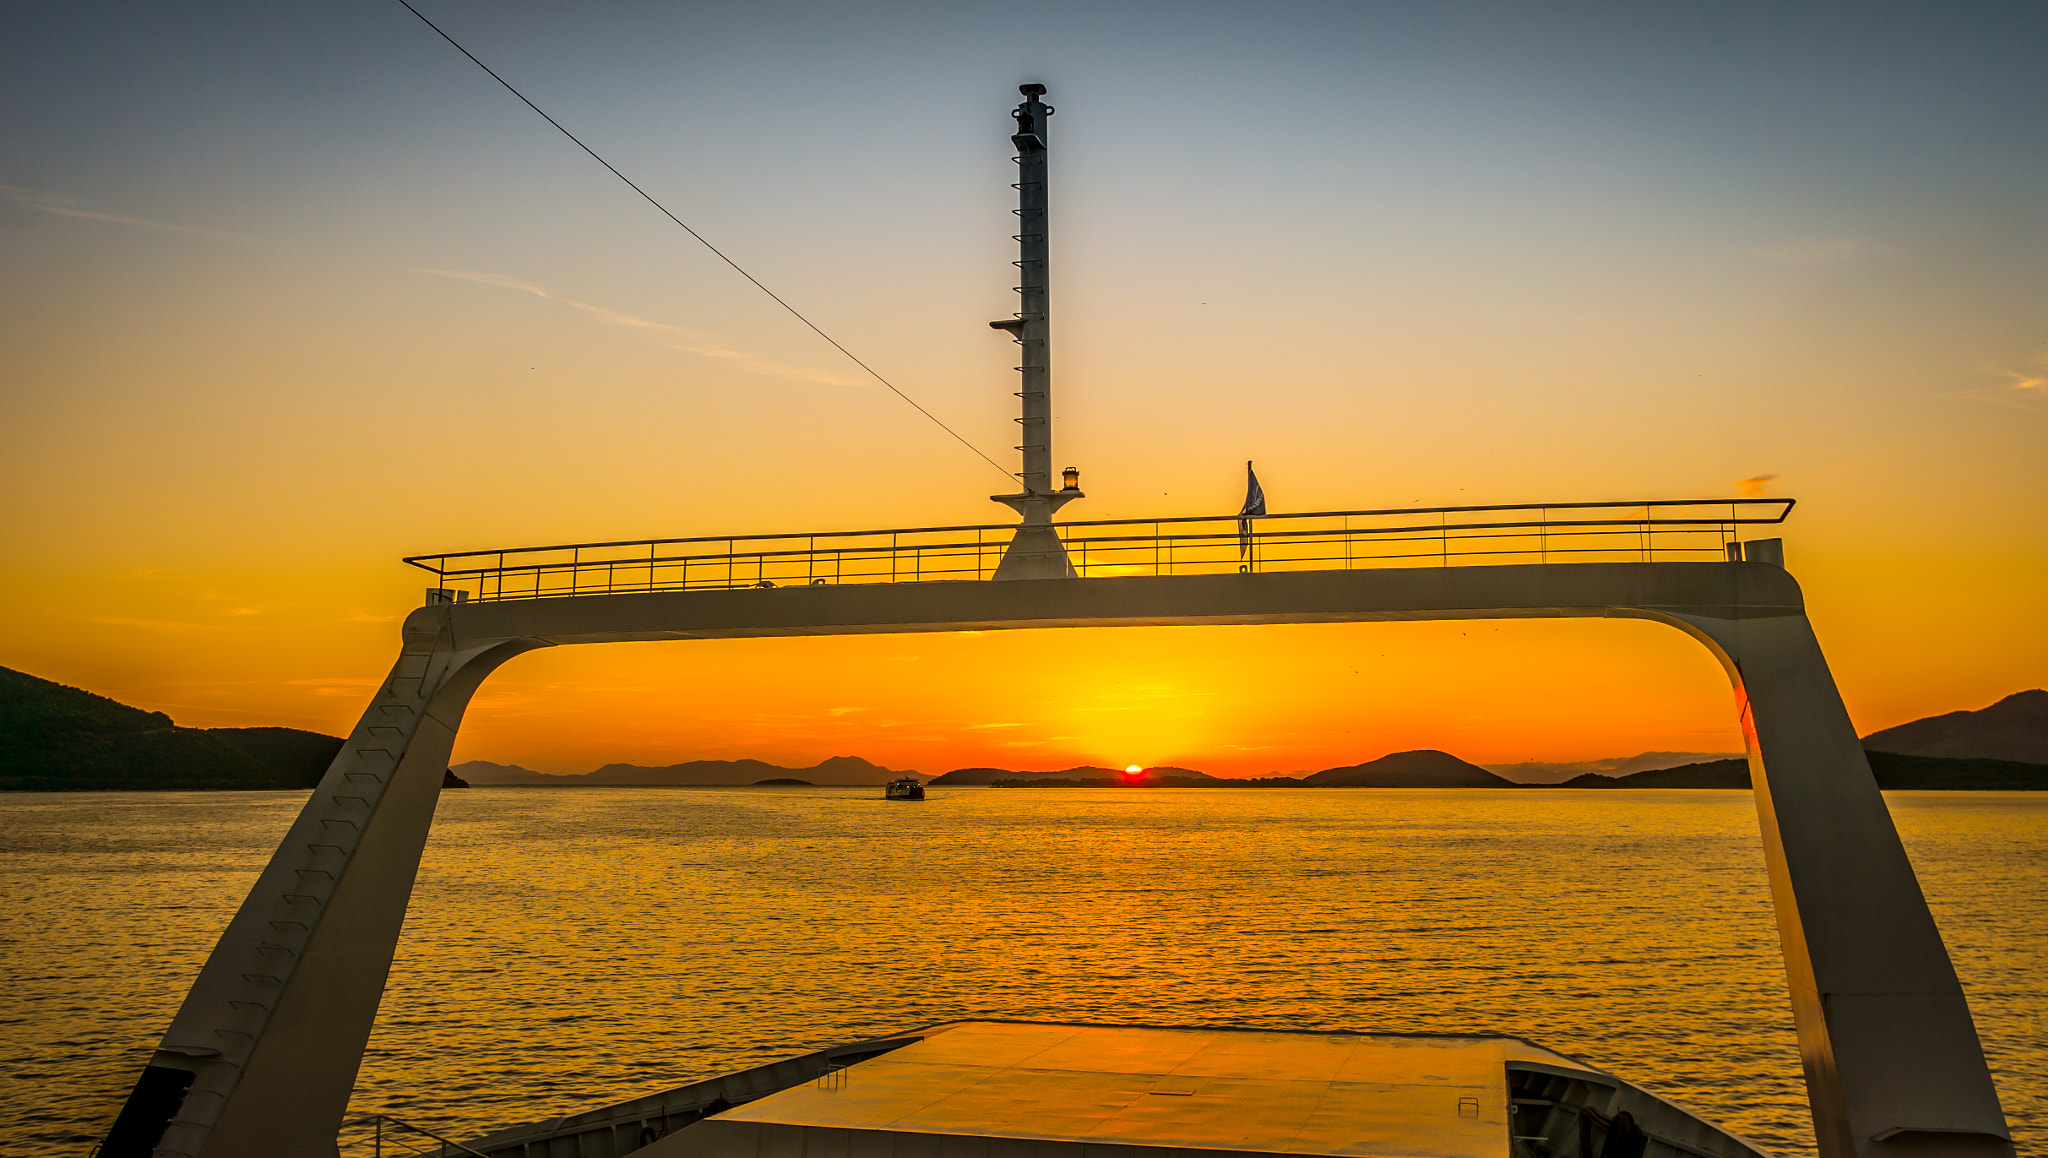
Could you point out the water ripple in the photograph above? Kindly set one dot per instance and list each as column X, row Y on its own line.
column 569, row 947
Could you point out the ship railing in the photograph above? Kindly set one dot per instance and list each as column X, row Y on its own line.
column 1656, row 530
column 377, row 1135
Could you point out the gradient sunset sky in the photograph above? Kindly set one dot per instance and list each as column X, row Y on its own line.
column 292, row 291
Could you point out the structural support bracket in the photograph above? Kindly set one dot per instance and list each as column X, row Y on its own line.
column 273, row 1029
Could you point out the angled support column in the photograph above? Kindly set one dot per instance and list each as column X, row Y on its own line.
column 1893, row 1064
column 262, row 1056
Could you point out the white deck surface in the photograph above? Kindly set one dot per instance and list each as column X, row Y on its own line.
column 962, row 1091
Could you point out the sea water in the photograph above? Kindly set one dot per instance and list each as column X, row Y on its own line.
column 569, row 947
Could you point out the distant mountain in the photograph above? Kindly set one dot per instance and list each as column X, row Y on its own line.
column 1898, row 771
column 286, row 748
column 2014, row 728
column 1893, row 771
column 1085, row 776
column 1427, row 768
column 839, row 770
column 1424, row 769
column 1710, row 774
column 485, row 774
column 1538, row 772
column 974, row 776
column 58, row 738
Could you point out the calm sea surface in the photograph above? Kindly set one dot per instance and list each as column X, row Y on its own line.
column 568, row 947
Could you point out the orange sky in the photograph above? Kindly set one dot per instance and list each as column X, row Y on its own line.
column 270, row 329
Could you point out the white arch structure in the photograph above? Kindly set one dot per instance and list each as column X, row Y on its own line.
column 260, row 1060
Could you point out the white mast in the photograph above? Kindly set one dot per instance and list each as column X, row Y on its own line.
column 1036, row 551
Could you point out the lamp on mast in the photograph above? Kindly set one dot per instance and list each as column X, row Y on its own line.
column 1035, row 551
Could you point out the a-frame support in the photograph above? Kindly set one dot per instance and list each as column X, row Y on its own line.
column 260, row 1060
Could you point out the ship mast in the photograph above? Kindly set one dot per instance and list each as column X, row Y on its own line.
column 1036, row 551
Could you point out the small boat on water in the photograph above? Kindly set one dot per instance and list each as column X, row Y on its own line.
column 903, row 788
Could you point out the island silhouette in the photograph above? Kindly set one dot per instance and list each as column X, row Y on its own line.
column 59, row 738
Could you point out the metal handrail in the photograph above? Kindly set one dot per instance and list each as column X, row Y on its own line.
column 447, row 1146
column 1308, row 540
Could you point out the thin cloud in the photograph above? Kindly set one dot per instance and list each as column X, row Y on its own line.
column 170, row 625
column 1829, row 251
column 686, row 341
column 56, row 204
column 2022, row 389
column 1754, row 486
column 2035, row 383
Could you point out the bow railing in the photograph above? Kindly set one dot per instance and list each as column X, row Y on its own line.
column 379, row 1135
column 1657, row 530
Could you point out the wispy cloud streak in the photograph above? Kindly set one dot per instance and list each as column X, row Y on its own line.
column 677, row 338
column 56, row 204
column 2035, row 381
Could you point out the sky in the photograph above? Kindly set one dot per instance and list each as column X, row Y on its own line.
column 288, row 292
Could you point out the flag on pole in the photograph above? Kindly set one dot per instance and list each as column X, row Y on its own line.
column 1254, row 504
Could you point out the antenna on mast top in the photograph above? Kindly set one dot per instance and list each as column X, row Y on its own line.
column 1036, row 551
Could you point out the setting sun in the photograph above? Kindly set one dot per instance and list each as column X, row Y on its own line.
column 1133, row 770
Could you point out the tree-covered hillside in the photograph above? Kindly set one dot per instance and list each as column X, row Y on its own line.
column 58, row 738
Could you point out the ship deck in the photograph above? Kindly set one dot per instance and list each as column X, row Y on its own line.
column 1035, row 1090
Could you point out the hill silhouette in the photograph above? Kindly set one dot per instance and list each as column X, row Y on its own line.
column 1085, row 776
column 59, row 738
column 838, row 770
column 1893, row 772
column 1424, row 768
column 2014, row 728
column 1420, row 769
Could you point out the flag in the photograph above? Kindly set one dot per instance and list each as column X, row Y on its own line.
column 1254, row 504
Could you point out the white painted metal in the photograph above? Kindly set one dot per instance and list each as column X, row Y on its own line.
column 275, row 1024
column 1035, row 551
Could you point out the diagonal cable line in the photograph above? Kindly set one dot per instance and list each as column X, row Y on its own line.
column 793, row 311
